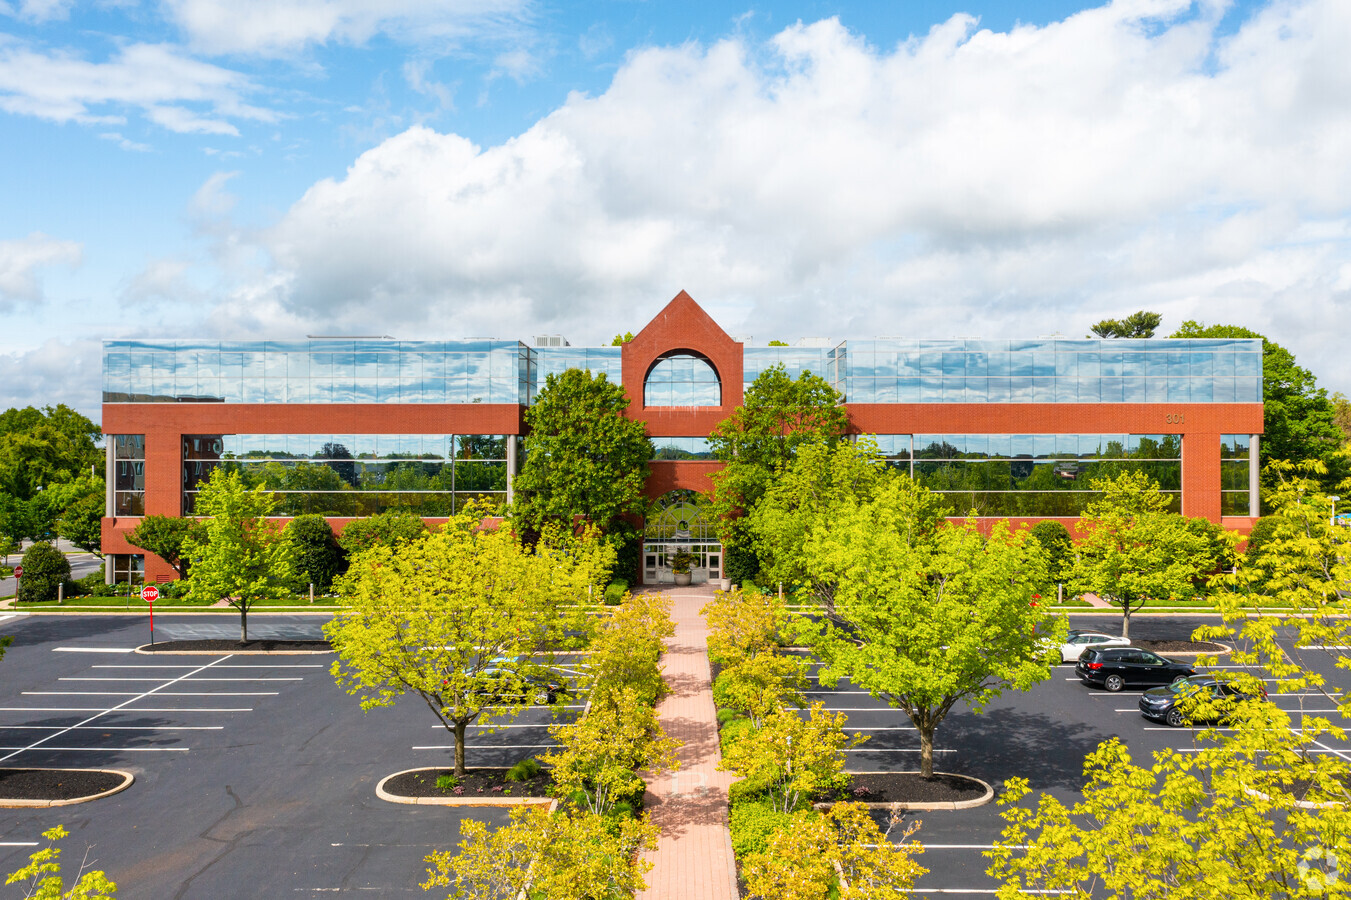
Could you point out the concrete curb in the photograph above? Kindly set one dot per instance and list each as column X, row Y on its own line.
column 144, row 652
column 45, row 804
column 949, row 805
column 383, row 794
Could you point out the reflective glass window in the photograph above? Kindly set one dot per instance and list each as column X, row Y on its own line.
column 682, row 379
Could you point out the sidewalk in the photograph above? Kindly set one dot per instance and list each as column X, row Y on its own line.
column 694, row 855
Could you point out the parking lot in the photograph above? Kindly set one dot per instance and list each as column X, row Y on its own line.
column 255, row 775
column 1042, row 735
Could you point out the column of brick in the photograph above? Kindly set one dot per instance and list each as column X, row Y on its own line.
column 694, row 854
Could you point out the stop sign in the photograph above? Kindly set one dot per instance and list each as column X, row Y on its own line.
column 18, row 571
column 149, row 593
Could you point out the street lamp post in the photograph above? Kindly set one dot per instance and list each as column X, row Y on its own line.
column 1333, row 521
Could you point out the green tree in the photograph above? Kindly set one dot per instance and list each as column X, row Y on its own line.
column 803, row 498
column 393, row 528
column 43, row 447
column 167, row 537
column 777, row 416
column 1237, row 818
column 568, row 854
column 41, row 878
column 82, row 524
column 238, row 555
column 1058, row 546
column 841, row 855
column 625, row 651
column 598, row 756
column 742, row 624
column 761, row 685
column 318, row 558
column 789, row 759
column 622, row 339
column 1299, row 419
column 463, row 619
column 1137, row 325
column 1341, row 415
column 1131, row 549
column 45, row 568
column 926, row 617
column 584, row 459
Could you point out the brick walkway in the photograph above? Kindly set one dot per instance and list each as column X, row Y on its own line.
column 694, row 856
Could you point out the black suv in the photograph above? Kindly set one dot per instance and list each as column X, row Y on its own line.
column 1114, row 668
column 1162, row 703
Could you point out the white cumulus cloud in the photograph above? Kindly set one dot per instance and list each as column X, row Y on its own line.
column 964, row 182
column 156, row 79
column 57, row 371
column 279, row 27
column 21, row 261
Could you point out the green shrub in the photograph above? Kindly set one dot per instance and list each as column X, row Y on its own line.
column 728, row 715
column 614, row 593
column 446, row 783
column 734, row 731
column 44, row 568
column 524, row 770
column 318, row 557
column 741, row 565
column 752, row 823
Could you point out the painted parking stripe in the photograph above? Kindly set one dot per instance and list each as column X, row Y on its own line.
column 1136, row 709
column 169, row 678
column 124, row 709
column 889, row 728
column 114, row 727
column 49, row 749
column 18, row 843
column 93, row 649
column 217, row 668
column 891, row 750
column 137, row 693
column 492, row 747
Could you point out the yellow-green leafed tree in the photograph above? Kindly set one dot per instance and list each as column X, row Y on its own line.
column 628, row 645
column 599, row 756
column 743, row 623
column 927, row 617
column 789, row 759
column 41, row 878
column 238, row 554
column 572, row 855
column 465, row 618
column 841, row 855
column 760, row 685
column 1256, row 813
column 1132, row 549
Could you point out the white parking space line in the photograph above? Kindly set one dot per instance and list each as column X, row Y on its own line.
column 544, row 725
column 138, row 693
column 18, row 843
column 123, row 708
column 892, row 728
column 93, row 649
column 238, row 665
column 852, row 709
column 891, row 750
column 114, row 727
column 491, row 747
column 829, row 693
column 47, row 749
column 1136, row 709
column 1323, row 647
column 980, row 891
column 169, row 678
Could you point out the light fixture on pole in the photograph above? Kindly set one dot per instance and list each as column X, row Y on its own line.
column 1333, row 520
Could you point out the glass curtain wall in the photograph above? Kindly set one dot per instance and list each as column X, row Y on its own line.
column 682, row 379
column 128, row 475
column 323, row 371
column 1055, row 371
column 681, row 448
column 356, row 475
column 1032, row 474
column 1235, row 451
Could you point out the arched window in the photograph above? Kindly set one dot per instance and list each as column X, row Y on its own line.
column 682, row 378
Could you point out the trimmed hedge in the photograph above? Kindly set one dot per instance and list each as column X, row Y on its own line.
column 753, row 823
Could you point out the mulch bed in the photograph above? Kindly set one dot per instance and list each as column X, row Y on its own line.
column 223, row 646
column 1178, row 646
column 475, row 783
column 55, row 784
column 909, row 787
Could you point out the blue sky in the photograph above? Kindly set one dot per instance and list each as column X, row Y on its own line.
column 429, row 168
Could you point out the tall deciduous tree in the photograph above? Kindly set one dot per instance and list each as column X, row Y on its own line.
column 167, row 538
column 82, row 523
column 778, row 415
column 464, row 619
column 318, row 558
column 1137, row 325
column 1299, row 419
column 926, row 617
column 584, row 459
column 239, row 555
column 1131, row 549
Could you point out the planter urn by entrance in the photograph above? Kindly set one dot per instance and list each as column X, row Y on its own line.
column 682, row 579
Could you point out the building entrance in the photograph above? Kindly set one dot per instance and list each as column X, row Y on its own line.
column 681, row 522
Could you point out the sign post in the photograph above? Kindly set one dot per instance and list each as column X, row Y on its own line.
column 150, row 594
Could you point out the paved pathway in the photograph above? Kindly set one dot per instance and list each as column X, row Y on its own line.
column 694, row 856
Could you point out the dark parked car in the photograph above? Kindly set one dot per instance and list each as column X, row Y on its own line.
column 1114, row 668
column 1162, row 703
